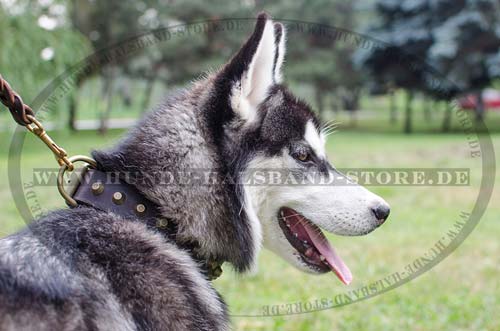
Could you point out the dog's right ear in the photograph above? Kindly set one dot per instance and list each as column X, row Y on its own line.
column 254, row 69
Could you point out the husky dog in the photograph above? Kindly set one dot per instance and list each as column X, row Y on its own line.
column 87, row 269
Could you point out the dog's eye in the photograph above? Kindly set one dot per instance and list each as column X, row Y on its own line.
column 302, row 156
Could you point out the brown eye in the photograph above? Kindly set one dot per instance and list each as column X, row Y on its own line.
column 302, row 156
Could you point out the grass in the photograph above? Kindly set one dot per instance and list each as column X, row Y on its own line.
column 461, row 293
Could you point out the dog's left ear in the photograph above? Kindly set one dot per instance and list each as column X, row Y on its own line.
column 280, row 43
column 256, row 67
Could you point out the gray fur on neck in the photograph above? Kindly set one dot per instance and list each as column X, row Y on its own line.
column 174, row 137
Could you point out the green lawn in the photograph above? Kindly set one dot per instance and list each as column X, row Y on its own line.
column 461, row 293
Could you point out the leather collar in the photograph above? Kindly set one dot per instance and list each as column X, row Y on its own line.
column 107, row 192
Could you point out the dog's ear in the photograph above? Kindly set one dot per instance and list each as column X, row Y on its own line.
column 280, row 33
column 255, row 68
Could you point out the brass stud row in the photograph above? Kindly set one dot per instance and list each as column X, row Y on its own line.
column 118, row 197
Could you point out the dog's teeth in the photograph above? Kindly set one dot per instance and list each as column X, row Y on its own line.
column 305, row 242
column 296, row 235
column 288, row 225
column 282, row 213
column 322, row 258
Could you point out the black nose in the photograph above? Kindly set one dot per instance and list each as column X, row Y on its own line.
column 381, row 212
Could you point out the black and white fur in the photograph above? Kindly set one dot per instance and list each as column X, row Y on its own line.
column 84, row 269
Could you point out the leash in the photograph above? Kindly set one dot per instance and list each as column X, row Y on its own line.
column 24, row 115
column 91, row 187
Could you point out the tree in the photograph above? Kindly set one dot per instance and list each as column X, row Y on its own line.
column 454, row 43
column 37, row 45
column 107, row 23
column 398, row 61
column 466, row 44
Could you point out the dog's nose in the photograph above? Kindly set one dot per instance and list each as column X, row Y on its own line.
column 381, row 212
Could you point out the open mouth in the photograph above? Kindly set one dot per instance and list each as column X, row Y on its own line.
column 311, row 244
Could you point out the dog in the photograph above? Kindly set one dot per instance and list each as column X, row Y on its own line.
column 88, row 269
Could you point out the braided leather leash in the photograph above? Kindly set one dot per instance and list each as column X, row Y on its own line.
column 25, row 116
column 19, row 110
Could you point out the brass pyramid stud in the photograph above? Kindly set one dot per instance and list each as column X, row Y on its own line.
column 97, row 188
column 140, row 209
column 118, row 198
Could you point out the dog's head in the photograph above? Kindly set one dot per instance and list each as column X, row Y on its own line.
column 270, row 129
column 235, row 121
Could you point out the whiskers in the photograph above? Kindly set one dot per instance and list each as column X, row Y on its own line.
column 329, row 127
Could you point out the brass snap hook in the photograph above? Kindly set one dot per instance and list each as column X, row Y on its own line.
column 37, row 128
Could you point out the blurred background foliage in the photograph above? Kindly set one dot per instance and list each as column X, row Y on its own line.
column 452, row 42
column 37, row 43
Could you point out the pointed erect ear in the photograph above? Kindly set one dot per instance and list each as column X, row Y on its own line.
column 280, row 34
column 255, row 68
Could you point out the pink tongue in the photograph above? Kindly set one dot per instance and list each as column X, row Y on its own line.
column 334, row 261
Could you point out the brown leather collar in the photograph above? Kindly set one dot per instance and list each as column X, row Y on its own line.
column 107, row 192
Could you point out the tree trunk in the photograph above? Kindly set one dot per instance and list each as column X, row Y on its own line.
column 447, row 117
column 108, row 90
column 479, row 107
column 427, row 109
column 353, row 118
column 435, row 107
column 392, row 107
column 319, row 101
column 73, row 104
column 408, row 128
column 147, row 94
column 334, row 103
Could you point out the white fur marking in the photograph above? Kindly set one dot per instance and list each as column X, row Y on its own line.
column 256, row 81
column 242, row 106
column 314, row 139
column 256, row 229
column 259, row 76
column 278, row 76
